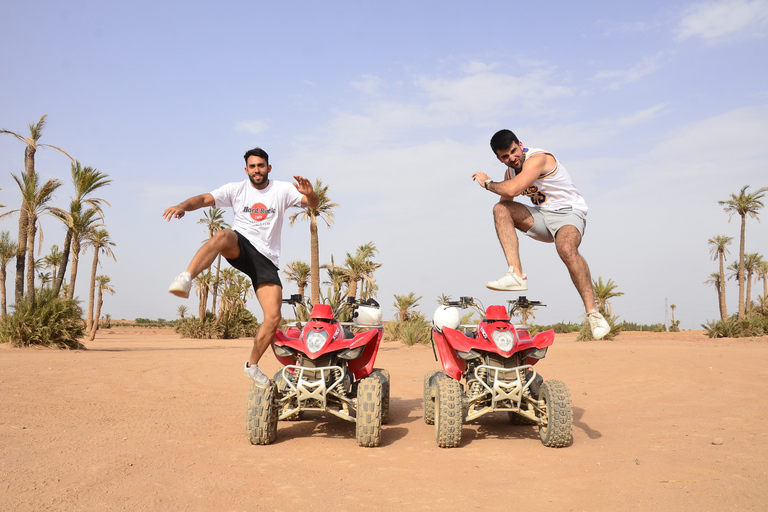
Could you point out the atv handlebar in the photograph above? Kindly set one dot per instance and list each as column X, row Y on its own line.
column 522, row 302
column 297, row 298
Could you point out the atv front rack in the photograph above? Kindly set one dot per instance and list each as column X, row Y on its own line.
column 506, row 391
column 309, row 391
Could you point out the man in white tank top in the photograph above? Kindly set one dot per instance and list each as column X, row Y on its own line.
column 252, row 245
column 557, row 214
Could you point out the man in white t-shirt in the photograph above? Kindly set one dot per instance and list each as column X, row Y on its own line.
column 253, row 244
column 558, row 215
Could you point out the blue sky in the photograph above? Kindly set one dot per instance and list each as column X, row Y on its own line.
column 657, row 109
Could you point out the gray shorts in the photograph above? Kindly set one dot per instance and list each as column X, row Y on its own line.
column 547, row 222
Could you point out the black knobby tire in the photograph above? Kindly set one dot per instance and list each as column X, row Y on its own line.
column 282, row 389
column 368, row 416
column 449, row 413
column 383, row 376
column 430, row 389
column 261, row 414
column 556, row 430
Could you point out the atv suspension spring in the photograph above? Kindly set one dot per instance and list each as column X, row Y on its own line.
column 341, row 390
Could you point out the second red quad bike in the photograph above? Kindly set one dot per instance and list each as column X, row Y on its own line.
column 326, row 368
column 488, row 368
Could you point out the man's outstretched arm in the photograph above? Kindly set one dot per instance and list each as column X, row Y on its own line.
column 191, row 204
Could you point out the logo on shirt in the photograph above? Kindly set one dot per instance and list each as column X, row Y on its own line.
column 537, row 197
column 258, row 211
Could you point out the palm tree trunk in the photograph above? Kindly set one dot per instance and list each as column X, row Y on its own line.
column 64, row 260
column 73, row 272
column 3, row 298
column 723, row 305
column 31, row 232
column 216, row 286
column 314, row 273
column 748, row 299
column 95, row 326
column 741, row 267
column 21, row 253
column 91, row 289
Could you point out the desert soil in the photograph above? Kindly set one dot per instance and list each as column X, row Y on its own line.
column 145, row 420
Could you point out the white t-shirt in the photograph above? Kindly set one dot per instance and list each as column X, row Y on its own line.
column 259, row 214
column 553, row 189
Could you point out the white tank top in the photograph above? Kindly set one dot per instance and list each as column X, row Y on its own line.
column 553, row 190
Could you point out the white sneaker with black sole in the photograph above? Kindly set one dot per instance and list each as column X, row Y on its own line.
column 255, row 373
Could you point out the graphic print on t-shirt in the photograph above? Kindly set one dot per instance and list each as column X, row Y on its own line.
column 258, row 211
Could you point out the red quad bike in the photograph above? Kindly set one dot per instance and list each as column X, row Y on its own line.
column 495, row 362
column 327, row 368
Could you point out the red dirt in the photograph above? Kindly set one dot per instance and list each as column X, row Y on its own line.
column 144, row 420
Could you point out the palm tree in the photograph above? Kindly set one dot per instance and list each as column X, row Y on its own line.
column 359, row 267
column 32, row 145
column 603, row 292
column 762, row 273
column 203, row 285
column 324, row 211
column 182, row 311
column 299, row 272
column 102, row 285
column 405, row 305
column 744, row 205
column 718, row 251
column 7, row 251
column 34, row 201
column 99, row 240
column 82, row 223
column 53, row 260
column 751, row 263
column 86, row 180
column 714, row 279
column 213, row 218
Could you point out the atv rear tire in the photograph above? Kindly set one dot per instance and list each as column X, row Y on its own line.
column 368, row 417
column 449, row 413
column 556, row 429
column 430, row 390
column 261, row 414
column 383, row 376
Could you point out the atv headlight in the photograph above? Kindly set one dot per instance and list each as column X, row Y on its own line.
column 316, row 340
column 504, row 340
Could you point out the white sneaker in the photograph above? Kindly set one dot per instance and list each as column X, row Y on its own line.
column 255, row 373
column 599, row 326
column 509, row 282
column 181, row 285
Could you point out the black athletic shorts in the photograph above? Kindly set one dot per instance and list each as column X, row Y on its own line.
column 254, row 264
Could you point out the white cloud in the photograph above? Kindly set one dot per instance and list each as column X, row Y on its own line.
column 368, row 84
column 714, row 21
column 614, row 79
column 254, row 127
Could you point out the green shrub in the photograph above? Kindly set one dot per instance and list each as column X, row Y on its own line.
column 241, row 324
column 48, row 320
column 414, row 331
column 631, row 326
column 754, row 324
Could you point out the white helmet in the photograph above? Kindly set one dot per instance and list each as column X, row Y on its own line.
column 446, row 316
column 367, row 316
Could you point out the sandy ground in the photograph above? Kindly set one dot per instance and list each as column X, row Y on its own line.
column 144, row 420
